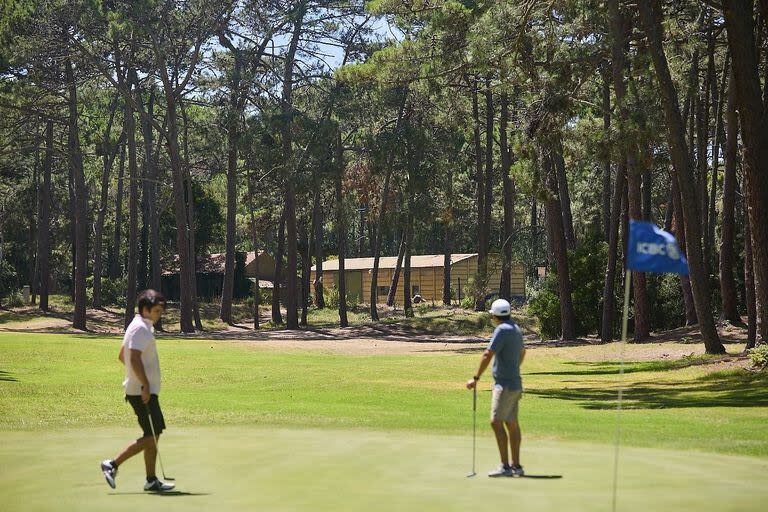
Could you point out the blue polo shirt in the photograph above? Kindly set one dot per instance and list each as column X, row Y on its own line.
column 507, row 345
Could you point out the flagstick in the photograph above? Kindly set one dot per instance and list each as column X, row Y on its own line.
column 624, row 323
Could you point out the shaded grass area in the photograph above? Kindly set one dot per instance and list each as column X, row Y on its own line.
column 734, row 388
column 74, row 381
column 428, row 319
column 613, row 367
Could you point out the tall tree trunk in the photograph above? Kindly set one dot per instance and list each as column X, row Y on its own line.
column 392, row 295
column 679, row 231
column 383, row 212
column 482, row 243
column 505, row 287
column 156, row 271
column 305, row 259
column 669, row 211
column 753, row 116
column 133, row 207
column 749, row 283
column 190, row 197
column 292, row 317
column 233, row 137
column 684, row 171
column 565, row 195
column 44, row 224
column 80, row 206
column 490, row 113
column 341, row 232
column 108, row 159
column 407, row 292
column 115, row 266
column 717, row 107
column 183, row 227
column 317, row 234
column 609, row 295
column 702, row 162
column 648, row 195
column 556, row 233
column 619, row 35
column 640, row 293
column 447, row 245
column 606, row 195
column 34, row 219
column 277, row 316
column 255, row 242
column 727, row 226
column 535, row 235
column 72, row 226
column 145, row 270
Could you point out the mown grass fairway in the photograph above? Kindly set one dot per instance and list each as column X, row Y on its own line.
column 318, row 429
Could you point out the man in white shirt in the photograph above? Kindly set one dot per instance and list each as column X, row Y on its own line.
column 142, row 386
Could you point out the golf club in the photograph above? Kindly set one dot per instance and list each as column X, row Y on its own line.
column 157, row 449
column 474, row 429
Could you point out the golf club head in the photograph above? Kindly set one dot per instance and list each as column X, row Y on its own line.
column 471, row 474
column 169, row 478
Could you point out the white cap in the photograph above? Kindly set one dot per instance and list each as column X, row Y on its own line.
column 500, row 307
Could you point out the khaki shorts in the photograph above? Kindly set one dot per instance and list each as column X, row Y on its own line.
column 505, row 404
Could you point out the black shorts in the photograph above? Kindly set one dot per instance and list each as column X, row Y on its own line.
column 141, row 410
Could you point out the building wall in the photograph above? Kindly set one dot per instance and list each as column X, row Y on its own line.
column 430, row 281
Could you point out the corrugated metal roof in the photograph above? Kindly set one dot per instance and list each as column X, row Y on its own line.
column 425, row 261
column 212, row 263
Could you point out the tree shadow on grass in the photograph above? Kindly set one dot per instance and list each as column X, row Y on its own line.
column 613, row 367
column 736, row 388
column 6, row 376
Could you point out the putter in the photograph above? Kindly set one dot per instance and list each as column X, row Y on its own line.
column 157, row 449
column 474, row 429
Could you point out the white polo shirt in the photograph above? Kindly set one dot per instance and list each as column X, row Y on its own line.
column 140, row 336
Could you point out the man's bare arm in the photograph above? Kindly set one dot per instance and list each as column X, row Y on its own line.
column 522, row 356
column 484, row 362
column 121, row 356
column 138, row 369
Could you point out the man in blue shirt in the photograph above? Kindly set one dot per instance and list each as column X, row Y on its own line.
column 509, row 351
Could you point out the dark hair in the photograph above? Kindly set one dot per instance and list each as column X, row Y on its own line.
column 504, row 318
column 150, row 298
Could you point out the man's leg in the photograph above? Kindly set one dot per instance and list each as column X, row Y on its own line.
column 133, row 449
column 150, row 456
column 501, row 440
column 513, row 427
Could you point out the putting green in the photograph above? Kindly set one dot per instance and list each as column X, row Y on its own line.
column 240, row 468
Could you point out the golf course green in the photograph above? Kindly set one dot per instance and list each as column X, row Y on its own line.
column 258, row 428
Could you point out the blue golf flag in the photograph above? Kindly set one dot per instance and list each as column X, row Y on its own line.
column 652, row 249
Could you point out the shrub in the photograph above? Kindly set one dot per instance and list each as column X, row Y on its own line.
column 7, row 281
column 586, row 265
column 332, row 298
column 14, row 300
column 113, row 291
column 468, row 302
column 666, row 300
column 265, row 299
column 545, row 306
column 759, row 356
